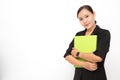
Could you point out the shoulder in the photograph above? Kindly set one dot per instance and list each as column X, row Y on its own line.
column 101, row 31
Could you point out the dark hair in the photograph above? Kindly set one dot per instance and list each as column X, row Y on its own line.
column 89, row 8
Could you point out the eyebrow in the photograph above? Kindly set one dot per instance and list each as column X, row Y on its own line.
column 84, row 15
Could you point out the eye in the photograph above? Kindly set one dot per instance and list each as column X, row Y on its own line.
column 80, row 19
column 86, row 16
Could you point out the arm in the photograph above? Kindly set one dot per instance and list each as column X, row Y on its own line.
column 74, row 61
column 102, row 48
column 89, row 57
column 87, row 65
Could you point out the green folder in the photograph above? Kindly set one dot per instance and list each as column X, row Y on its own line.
column 85, row 44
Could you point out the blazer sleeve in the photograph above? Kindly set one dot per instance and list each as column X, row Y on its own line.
column 103, row 44
column 68, row 51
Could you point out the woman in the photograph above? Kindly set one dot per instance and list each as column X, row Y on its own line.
column 93, row 68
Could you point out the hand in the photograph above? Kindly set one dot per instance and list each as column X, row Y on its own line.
column 90, row 66
column 73, row 52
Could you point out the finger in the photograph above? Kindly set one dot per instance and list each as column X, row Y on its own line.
column 73, row 48
column 94, row 64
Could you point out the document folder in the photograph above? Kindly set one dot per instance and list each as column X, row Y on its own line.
column 85, row 44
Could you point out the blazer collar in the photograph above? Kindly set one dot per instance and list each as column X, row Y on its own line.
column 96, row 30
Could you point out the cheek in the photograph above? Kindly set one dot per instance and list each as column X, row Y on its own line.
column 81, row 22
column 92, row 19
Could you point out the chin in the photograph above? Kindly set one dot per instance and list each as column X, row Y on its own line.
column 88, row 27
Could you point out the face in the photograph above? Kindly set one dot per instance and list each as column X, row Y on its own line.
column 86, row 18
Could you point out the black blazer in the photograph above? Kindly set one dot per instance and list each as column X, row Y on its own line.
column 103, row 44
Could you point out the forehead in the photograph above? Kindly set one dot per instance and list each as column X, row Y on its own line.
column 84, row 12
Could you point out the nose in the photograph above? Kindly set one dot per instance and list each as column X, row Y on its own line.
column 85, row 21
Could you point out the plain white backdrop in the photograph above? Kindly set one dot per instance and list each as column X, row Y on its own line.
column 34, row 35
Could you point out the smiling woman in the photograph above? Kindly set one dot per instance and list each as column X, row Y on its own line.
column 86, row 17
column 93, row 67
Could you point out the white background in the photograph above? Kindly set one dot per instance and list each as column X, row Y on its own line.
column 34, row 35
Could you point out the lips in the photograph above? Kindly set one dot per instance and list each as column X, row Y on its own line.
column 86, row 25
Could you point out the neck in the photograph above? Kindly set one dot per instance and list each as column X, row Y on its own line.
column 89, row 31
